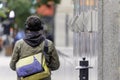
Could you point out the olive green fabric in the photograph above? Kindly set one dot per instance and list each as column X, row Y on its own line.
column 22, row 49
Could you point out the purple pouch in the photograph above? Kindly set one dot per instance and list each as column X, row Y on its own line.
column 30, row 69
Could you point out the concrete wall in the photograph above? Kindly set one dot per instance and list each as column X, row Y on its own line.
column 108, row 57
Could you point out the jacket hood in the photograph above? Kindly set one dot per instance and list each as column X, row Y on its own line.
column 34, row 38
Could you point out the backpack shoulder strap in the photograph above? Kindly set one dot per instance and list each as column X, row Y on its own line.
column 45, row 47
column 45, row 51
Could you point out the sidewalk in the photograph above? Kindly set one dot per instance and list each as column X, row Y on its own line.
column 5, row 71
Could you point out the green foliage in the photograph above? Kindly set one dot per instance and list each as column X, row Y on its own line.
column 22, row 10
column 57, row 1
column 3, row 12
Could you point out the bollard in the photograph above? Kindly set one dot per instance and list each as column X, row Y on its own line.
column 83, row 69
column 84, row 72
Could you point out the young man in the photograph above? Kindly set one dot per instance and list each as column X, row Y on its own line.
column 33, row 43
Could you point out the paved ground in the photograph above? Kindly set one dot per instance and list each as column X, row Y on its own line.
column 5, row 72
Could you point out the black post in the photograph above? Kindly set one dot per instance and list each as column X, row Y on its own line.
column 84, row 71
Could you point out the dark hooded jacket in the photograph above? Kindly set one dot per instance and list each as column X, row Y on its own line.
column 33, row 43
column 34, row 38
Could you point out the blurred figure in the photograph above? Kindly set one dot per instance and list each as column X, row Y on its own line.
column 1, row 40
column 1, row 44
column 19, row 35
column 1, row 30
column 6, row 26
column 6, row 32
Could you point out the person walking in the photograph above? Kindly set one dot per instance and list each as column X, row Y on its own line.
column 33, row 43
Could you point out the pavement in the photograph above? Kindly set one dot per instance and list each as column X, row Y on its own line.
column 5, row 72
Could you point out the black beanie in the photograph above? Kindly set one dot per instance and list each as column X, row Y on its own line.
column 33, row 23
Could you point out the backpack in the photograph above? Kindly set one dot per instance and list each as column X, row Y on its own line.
column 33, row 67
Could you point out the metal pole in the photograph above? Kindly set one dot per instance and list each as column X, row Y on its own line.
column 66, row 30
